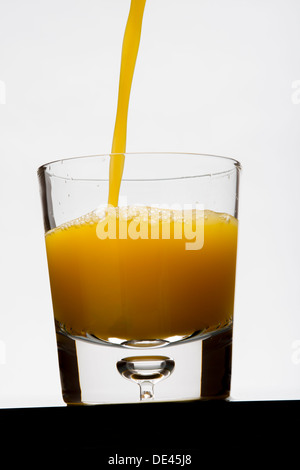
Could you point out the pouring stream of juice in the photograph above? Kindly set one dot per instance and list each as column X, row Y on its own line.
column 129, row 54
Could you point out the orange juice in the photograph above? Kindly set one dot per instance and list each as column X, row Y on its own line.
column 121, row 277
column 142, row 286
column 129, row 54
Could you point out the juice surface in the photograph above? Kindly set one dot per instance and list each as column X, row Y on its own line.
column 143, row 288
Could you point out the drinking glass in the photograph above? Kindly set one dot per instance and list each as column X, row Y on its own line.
column 142, row 293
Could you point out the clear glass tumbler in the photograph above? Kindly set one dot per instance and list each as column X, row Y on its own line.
column 142, row 293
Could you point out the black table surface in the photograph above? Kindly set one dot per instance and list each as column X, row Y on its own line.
column 211, row 431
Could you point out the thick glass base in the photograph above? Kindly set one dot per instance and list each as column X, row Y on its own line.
column 97, row 374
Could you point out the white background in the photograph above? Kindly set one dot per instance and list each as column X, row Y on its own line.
column 214, row 76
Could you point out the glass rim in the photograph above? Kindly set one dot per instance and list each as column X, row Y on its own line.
column 236, row 165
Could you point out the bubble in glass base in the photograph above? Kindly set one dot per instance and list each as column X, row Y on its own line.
column 146, row 371
column 94, row 374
